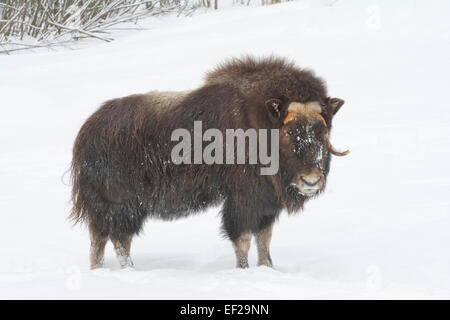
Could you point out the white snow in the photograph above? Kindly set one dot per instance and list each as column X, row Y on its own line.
column 381, row 230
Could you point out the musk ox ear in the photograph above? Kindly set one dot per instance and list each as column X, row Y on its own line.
column 335, row 104
column 274, row 107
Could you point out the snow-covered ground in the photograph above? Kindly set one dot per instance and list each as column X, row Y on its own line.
column 380, row 231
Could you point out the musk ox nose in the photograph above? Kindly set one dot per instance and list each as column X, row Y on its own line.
column 310, row 180
column 310, row 183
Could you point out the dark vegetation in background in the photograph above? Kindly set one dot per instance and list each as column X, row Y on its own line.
column 28, row 24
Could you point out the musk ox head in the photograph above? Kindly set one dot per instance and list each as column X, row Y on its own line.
column 305, row 146
column 298, row 105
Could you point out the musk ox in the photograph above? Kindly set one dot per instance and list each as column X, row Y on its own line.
column 122, row 171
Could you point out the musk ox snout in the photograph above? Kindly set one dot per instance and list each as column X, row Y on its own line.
column 309, row 183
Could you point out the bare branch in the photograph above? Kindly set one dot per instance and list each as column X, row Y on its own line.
column 47, row 21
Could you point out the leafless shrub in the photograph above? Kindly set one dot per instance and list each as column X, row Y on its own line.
column 53, row 22
column 26, row 24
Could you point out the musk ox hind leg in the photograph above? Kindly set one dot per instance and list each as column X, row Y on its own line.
column 263, row 237
column 98, row 243
column 122, row 246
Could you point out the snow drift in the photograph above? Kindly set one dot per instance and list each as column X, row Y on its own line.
column 379, row 231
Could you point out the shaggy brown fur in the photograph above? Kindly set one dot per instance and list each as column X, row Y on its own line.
column 122, row 173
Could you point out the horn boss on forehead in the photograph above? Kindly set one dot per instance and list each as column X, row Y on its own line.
column 299, row 107
column 308, row 108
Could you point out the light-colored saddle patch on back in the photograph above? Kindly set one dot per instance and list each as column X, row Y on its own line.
column 163, row 101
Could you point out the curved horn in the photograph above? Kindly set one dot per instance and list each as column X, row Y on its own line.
column 337, row 153
column 289, row 117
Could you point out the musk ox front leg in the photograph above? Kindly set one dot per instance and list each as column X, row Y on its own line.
column 263, row 238
column 237, row 225
column 241, row 247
